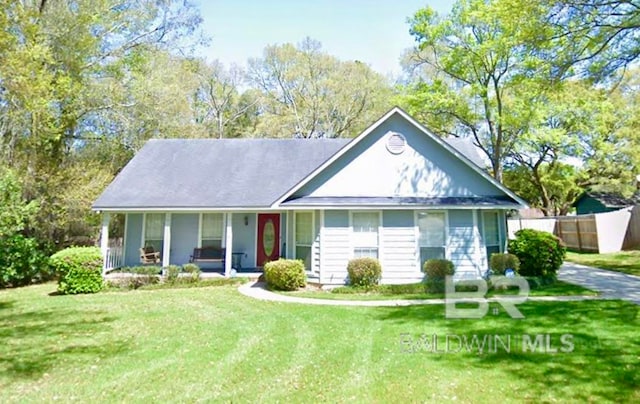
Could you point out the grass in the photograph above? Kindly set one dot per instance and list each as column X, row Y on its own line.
column 623, row 261
column 213, row 344
column 416, row 291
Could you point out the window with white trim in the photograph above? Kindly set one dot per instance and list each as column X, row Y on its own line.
column 212, row 230
column 304, row 237
column 154, row 230
column 365, row 234
column 432, row 235
column 491, row 233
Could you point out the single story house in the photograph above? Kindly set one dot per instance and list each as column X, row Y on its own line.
column 396, row 192
column 601, row 202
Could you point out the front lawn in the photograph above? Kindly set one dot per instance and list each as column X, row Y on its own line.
column 417, row 292
column 213, row 344
column 623, row 261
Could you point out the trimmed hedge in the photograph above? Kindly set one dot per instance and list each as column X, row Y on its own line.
column 79, row 270
column 285, row 274
column 436, row 271
column 194, row 270
column 501, row 262
column 364, row 272
column 22, row 262
column 540, row 253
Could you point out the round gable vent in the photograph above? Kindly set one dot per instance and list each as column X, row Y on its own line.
column 395, row 143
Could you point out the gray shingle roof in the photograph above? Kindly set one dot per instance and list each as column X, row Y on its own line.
column 227, row 173
column 492, row 201
column 468, row 149
column 203, row 173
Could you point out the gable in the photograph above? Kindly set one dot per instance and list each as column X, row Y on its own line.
column 424, row 169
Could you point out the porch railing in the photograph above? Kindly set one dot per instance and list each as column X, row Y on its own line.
column 114, row 258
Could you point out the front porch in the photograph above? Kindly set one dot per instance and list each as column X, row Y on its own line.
column 246, row 240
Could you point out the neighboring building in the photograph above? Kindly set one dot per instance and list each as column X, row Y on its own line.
column 396, row 192
column 600, row 202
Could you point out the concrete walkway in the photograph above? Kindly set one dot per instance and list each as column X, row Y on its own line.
column 612, row 285
column 257, row 290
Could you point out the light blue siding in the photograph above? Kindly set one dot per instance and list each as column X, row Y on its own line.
column 462, row 244
column 244, row 237
column 424, row 169
column 335, row 247
column 133, row 237
column 184, row 237
column 336, row 218
column 398, row 247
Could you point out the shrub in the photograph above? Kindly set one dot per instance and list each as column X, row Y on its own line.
column 22, row 262
column 171, row 273
column 79, row 270
column 365, row 272
column 194, row 270
column 501, row 262
column 540, row 253
column 436, row 271
column 285, row 274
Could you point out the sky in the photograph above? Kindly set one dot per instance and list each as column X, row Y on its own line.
column 371, row 31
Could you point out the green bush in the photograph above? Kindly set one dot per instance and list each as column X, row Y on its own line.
column 22, row 262
column 436, row 271
column 285, row 274
column 171, row 273
column 501, row 262
column 79, row 270
column 540, row 253
column 364, row 272
column 194, row 270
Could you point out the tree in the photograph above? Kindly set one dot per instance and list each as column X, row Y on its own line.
column 308, row 93
column 478, row 67
column 218, row 100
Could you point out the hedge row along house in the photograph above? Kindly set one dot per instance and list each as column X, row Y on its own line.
column 396, row 192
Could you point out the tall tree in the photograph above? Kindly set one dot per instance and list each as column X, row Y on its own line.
column 308, row 93
column 219, row 103
column 478, row 66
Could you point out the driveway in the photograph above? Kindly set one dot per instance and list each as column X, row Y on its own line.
column 611, row 284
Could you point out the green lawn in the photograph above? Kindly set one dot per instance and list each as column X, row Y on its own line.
column 559, row 288
column 213, row 344
column 624, row 261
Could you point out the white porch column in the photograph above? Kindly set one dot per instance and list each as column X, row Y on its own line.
column 228, row 245
column 166, row 243
column 104, row 240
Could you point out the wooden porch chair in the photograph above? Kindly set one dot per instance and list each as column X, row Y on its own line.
column 149, row 256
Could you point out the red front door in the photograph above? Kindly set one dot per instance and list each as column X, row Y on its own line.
column 268, row 238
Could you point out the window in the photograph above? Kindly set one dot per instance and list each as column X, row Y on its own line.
column 304, row 237
column 491, row 233
column 432, row 235
column 212, row 230
column 154, row 230
column 365, row 234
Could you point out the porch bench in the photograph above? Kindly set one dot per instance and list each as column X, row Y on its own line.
column 208, row 254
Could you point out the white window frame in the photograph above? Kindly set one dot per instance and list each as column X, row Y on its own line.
column 416, row 214
column 355, row 243
column 295, row 238
column 143, row 237
column 484, row 233
column 224, row 228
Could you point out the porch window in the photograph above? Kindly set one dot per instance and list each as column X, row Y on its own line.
column 491, row 233
column 432, row 235
column 154, row 230
column 304, row 237
column 365, row 234
column 212, row 230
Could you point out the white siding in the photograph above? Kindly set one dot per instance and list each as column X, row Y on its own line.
column 399, row 255
column 462, row 245
column 336, row 252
